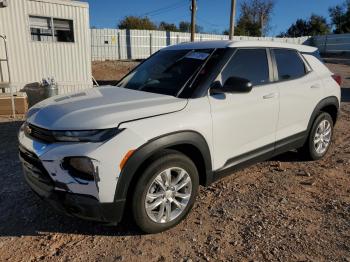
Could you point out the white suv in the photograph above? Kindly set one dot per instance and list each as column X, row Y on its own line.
column 185, row 117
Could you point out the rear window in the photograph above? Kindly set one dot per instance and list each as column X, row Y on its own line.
column 289, row 64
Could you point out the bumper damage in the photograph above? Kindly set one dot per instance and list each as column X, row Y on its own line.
column 73, row 204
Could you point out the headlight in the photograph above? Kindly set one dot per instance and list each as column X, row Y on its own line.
column 81, row 168
column 86, row 135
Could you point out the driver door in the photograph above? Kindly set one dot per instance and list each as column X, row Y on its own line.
column 244, row 124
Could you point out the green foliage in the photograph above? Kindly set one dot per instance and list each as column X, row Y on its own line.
column 135, row 22
column 315, row 25
column 255, row 18
column 144, row 23
column 318, row 25
column 186, row 27
column 340, row 17
column 164, row 26
column 247, row 27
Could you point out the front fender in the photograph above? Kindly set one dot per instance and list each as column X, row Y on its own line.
column 156, row 145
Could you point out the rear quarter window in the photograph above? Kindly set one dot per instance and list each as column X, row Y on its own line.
column 289, row 64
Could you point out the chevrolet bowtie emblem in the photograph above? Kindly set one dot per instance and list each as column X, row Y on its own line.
column 28, row 130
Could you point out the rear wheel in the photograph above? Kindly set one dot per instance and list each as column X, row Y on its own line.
column 165, row 192
column 320, row 137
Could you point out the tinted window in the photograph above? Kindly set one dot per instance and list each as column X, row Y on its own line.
column 289, row 64
column 251, row 64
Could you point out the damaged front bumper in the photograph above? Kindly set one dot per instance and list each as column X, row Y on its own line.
column 52, row 183
column 82, row 206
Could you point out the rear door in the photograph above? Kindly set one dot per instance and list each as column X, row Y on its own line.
column 244, row 124
column 300, row 90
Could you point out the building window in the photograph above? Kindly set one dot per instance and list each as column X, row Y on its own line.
column 47, row 29
column 63, row 30
column 40, row 28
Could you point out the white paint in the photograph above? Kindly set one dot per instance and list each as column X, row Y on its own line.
column 116, row 44
column 232, row 125
column 30, row 61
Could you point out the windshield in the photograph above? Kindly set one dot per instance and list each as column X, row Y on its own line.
column 167, row 72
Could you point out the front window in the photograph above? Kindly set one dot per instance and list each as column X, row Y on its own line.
column 168, row 72
column 251, row 64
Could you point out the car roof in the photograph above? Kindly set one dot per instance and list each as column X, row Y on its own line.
column 243, row 43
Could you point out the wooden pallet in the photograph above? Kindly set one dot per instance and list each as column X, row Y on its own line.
column 21, row 104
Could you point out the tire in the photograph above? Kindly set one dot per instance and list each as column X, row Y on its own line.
column 161, row 196
column 310, row 149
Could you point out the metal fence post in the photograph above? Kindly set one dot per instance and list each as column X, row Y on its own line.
column 150, row 44
column 119, row 42
column 325, row 44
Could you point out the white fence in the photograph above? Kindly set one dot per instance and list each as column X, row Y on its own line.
column 115, row 44
column 332, row 43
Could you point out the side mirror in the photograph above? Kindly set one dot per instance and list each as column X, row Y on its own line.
column 233, row 85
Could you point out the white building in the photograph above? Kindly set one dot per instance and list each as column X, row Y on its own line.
column 45, row 38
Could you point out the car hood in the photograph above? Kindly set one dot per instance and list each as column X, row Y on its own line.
column 99, row 108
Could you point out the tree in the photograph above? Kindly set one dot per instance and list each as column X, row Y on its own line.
column 340, row 17
column 167, row 27
column 297, row 29
column 318, row 25
column 315, row 25
column 247, row 27
column 135, row 22
column 186, row 27
column 255, row 17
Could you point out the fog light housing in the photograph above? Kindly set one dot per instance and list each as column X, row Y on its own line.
column 79, row 167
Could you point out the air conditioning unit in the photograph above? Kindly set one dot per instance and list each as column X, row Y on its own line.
column 3, row 3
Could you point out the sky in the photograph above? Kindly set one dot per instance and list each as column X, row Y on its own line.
column 212, row 15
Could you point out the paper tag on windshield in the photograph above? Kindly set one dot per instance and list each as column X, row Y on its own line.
column 197, row 55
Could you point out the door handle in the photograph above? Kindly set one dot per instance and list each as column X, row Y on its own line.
column 315, row 86
column 269, row 96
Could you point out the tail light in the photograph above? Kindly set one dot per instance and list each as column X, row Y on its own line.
column 337, row 79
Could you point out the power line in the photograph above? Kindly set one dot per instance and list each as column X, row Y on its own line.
column 165, row 9
column 209, row 23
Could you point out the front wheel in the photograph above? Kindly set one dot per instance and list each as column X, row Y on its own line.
column 320, row 137
column 165, row 192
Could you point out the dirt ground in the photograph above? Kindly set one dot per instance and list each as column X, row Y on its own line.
column 279, row 210
column 111, row 70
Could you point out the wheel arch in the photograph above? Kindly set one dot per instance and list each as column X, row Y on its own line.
column 329, row 105
column 190, row 143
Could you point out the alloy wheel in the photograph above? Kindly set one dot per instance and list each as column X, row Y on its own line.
column 323, row 137
column 168, row 195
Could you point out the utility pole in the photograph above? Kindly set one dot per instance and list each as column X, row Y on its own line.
column 193, row 19
column 232, row 19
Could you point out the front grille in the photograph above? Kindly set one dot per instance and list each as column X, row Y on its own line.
column 39, row 133
column 33, row 163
